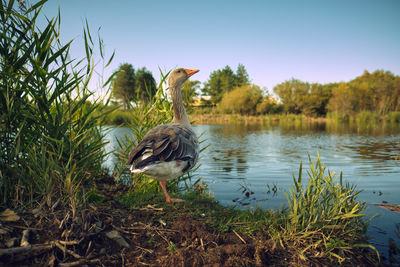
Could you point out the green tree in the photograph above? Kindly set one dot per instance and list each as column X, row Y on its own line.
column 292, row 94
column 316, row 100
column 269, row 105
column 242, row 100
column 190, row 89
column 145, row 85
column 220, row 82
column 223, row 81
column 377, row 92
column 342, row 100
column 130, row 85
column 302, row 97
column 123, row 85
column 242, row 76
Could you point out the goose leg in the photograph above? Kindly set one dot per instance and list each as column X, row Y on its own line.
column 167, row 197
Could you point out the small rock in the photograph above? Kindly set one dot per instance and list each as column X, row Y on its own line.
column 116, row 236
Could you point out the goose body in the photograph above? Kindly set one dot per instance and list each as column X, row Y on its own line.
column 168, row 151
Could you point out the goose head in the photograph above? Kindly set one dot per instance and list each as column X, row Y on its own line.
column 179, row 76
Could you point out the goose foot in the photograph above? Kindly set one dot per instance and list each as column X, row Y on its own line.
column 167, row 197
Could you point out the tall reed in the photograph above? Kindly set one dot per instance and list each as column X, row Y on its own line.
column 50, row 142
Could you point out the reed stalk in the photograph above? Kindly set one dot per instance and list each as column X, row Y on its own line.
column 51, row 142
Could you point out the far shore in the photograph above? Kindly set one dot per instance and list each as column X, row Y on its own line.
column 237, row 118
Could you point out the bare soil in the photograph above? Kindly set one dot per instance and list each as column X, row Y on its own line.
column 113, row 235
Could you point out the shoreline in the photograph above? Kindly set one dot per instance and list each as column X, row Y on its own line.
column 250, row 119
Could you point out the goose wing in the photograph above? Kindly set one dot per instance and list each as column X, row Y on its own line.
column 164, row 143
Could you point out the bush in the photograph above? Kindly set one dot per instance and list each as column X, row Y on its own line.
column 242, row 100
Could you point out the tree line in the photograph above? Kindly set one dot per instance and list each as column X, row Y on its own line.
column 377, row 92
column 232, row 92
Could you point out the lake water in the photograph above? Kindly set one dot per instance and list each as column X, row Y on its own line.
column 262, row 159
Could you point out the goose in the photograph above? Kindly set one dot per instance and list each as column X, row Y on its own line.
column 168, row 151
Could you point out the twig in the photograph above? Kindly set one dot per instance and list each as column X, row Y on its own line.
column 88, row 248
column 244, row 241
column 122, row 259
column 145, row 249
column 72, row 242
column 26, row 228
column 121, row 230
column 202, row 245
column 65, row 250
column 150, row 229
column 22, row 250
column 77, row 263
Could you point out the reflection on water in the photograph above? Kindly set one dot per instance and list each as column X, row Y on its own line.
column 261, row 157
column 375, row 149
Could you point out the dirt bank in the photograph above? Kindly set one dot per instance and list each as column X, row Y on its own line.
column 160, row 234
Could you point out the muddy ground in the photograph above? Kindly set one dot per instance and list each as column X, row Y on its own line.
column 110, row 234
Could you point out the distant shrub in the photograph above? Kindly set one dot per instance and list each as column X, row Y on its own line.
column 335, row 116
column 204, row 110
column 119, row 117
column 269, row 106
column 242, row 100
column 394, row 117
column 367, row 117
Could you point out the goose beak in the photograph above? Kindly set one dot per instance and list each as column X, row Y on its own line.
column 191, row 72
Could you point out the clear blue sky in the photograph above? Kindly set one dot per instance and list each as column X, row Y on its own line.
column 316, row 41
